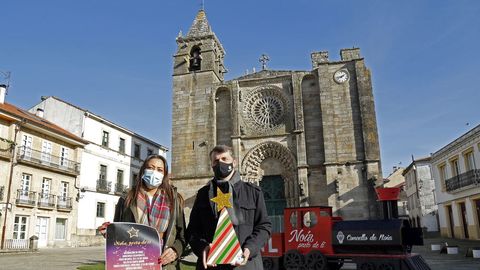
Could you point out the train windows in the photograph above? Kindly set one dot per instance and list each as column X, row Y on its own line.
column 294, row 219
column 310, row 219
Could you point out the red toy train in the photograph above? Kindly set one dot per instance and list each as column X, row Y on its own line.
column 314, row 239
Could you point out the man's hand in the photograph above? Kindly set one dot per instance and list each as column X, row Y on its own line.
column 246, row 255
column 103, row 228
column 168, row 256
column 205, row 255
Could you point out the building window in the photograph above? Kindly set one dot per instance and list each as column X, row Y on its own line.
column 454, row 167
column 64, row 190
column 103, row 172
column 60, row 228
column 64, row 157
column 136, row 151
column 46, row 182
column 45, row 195
column 149, row 152
column 20, row 227
column 46, row 151
column 120, row 177
column 105, row 139
column 26, row 146
column 121, row 146
column 442, row 172
column 26, row 180
column 469, row 160
column 100, row 210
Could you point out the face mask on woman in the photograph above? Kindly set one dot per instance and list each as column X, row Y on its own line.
column 152, row 178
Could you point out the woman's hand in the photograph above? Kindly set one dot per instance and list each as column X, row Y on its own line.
column 103, row 228
column 168, row 256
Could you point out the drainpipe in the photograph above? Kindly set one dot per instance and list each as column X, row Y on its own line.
column 4, row 228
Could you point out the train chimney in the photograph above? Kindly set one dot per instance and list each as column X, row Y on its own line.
column 389, row 198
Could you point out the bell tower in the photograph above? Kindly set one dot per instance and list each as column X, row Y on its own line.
column 198, row 67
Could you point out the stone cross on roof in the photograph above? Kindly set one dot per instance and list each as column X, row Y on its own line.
column 264, row 59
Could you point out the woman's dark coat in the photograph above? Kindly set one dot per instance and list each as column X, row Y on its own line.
column 174, row 237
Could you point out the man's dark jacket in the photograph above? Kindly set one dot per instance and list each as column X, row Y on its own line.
column 253, row 228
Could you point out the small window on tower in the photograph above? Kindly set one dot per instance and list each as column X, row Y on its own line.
column 195, row 59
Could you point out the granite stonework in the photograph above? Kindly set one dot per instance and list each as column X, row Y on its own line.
column 315, row 134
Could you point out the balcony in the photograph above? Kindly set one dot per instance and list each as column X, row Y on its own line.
column 104, row 186
column 64, row 203
column 46, row 201
column 46, row 160
column 463, row 181
column 5, row 149
column 120, row 188
column 26, row 198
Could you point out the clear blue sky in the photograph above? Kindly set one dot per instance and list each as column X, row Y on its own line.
column 115, row 57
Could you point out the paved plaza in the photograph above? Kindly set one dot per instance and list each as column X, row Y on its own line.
column 71, row 258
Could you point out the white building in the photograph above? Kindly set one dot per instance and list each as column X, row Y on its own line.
column 109, row 163
column 457, row 186
column 419, row 188
column 39, row 168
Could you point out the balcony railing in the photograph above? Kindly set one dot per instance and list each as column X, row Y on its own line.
column 463, row 180
column 5, row 149
column 120, row 188
column 25, row 197
column 46, row 201
column 48, row 160
column 64, row 203
column 104, row 186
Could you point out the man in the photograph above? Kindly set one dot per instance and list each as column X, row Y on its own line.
column 248, row 214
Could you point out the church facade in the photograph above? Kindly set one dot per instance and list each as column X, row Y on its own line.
column 306, row 137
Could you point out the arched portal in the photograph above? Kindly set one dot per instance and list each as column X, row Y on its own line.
column 273, row 167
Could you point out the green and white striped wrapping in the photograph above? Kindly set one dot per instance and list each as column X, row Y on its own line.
column 225, row 247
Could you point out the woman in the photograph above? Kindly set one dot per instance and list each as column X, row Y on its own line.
column 152, row 187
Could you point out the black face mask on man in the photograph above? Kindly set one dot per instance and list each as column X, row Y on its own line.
column 222, row 170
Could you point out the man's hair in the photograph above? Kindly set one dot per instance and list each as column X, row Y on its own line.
column 220, row 149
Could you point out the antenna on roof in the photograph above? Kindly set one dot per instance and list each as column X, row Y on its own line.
column 5, row 78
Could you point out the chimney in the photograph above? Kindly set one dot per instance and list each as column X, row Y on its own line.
column 3, row 92
column 40, row 112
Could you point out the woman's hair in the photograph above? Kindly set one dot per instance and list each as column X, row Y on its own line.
column 139, row 184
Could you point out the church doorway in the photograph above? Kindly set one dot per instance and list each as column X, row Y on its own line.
column 273, row 188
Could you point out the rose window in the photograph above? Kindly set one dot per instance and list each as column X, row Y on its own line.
column 264, row 110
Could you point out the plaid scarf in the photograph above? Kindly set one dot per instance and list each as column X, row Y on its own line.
column 156, row 213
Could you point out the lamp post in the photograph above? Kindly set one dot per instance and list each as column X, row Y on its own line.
column 4, row 228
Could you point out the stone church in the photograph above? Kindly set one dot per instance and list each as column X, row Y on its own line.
column 306, row 137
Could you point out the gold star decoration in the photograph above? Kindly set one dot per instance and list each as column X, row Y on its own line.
column 222, row 200
column 133, row 232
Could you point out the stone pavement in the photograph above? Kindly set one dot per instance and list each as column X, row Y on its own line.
column 53, row 258
column 71, row 258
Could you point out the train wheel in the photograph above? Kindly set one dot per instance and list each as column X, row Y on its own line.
column 293, row 260
column 316, row 260
column 385, row 266
column 267, row 263
column 367, row 266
